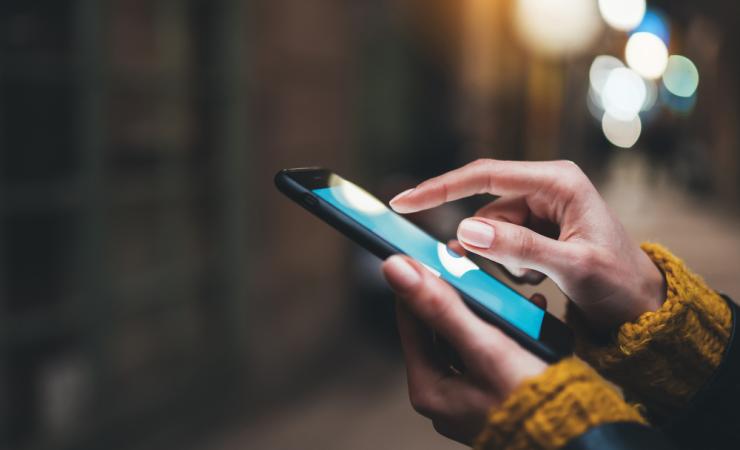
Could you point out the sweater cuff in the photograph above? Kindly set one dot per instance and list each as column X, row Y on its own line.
column 665, row 356
column 547, row 411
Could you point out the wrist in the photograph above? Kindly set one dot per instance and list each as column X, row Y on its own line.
column 653, row 289
column 663, row 357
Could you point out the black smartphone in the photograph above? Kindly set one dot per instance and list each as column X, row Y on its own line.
column 366, row 220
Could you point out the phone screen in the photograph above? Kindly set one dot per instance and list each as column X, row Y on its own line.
column 457, row 270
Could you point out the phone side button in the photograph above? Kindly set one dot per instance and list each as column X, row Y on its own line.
column 310, row 201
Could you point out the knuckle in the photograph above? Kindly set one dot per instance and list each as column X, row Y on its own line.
column 587, row 261
column 484, row 169
column 481, row 162
column 438, row 307
column 527, row 245
column 582, row 258
column 574, row 177
column 422, row 402
column 569, row 166
column 485, row 166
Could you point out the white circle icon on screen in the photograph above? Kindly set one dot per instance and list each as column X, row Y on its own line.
column 456, row 265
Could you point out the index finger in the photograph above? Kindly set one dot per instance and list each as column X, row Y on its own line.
column 486, row 176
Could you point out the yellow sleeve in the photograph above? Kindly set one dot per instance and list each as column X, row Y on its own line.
column 664, row 357
column 548, row 410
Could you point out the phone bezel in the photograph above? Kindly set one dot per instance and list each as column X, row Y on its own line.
column 556, row 339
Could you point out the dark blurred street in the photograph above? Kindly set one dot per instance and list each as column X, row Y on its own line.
column 158, row 292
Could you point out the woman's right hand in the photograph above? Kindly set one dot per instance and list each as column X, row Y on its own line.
column 550, row 219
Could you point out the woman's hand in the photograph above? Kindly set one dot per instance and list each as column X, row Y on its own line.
column 457, row 404
column 550, row 220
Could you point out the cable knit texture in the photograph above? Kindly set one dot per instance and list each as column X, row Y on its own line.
column 550, row 409
column 664, row 357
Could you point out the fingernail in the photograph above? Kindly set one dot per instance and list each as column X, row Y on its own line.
column 401, row 195
column 475, row 233
column 401, row 275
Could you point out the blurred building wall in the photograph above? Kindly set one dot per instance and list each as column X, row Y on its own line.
column 303, row 71
column 122, row 161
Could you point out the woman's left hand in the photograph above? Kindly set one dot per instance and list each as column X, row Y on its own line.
column 495, row 365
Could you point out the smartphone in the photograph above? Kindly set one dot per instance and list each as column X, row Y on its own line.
column 366, row 220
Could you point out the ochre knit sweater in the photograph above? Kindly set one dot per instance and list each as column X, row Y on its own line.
column 660, row 360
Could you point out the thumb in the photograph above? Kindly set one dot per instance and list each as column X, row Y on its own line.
column 438, row 306
column 515, row 246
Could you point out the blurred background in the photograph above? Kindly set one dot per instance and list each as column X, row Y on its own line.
column 157, row 292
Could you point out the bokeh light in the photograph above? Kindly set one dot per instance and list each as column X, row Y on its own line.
column 623, row 15
column 655, row 23
column 558, row 27
column 593, row 103
column 621, row 133
column 681, row 76
column 651, row 95
column 646, row 54
column 601, row 68
column 624, row 94
column 678, row 105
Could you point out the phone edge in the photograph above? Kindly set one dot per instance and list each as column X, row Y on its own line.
column 294, row 190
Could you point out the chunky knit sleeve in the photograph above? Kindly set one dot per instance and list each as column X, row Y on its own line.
column 554, row 407
column 663, row 358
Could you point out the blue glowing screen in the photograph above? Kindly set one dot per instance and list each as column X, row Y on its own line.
column 459, row 271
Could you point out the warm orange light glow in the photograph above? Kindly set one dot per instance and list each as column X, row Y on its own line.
column 558, row 27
